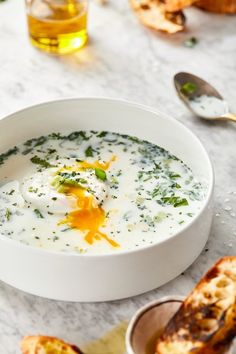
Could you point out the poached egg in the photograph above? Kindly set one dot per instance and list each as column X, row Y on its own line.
column 76, row 192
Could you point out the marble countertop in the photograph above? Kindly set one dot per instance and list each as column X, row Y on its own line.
column 122, row 60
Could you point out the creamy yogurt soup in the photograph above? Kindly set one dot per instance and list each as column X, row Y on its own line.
column 94, row 192
column 208, row 106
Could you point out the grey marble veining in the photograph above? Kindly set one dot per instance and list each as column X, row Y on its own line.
column 122, row 60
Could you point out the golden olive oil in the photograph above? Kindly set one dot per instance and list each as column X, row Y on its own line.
column 57, row 26
column 152, row 343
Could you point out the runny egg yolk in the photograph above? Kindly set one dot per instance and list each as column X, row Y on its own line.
column 89, row 217
column 83, row 165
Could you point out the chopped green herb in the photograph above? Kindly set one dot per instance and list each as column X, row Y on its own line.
column 191, row 42
column 52, row 151
column 155, row 192
column 67, row 229
column 176, row 185
column 89, row 152
column 194, row 194
column 36, row 141
column 64, row 179
column 11, row 192
column 188, row 88
column 83, row 180
column 5, row 155
column 181, row 202
column 76, row 135
column 175, row 201
column 33, row 190
column 134, row 139
column 38, row 214
column 101, row 174
column 8, row 214
column 38, row 161
column 173, row 175
column 102, row 134
column 56, row 136
column 157, row 166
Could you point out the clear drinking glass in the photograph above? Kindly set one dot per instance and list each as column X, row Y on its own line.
column 57, row 26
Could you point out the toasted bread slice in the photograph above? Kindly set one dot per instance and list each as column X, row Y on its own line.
column 153, row 14
column 206, row 321
column 177, row 5
column 47, row 345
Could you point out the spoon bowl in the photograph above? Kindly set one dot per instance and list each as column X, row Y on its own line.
column 201, row 98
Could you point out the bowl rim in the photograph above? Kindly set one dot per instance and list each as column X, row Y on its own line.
column 141, row 311
column 12, row 116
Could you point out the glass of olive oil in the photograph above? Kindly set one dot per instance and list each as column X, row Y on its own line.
column 57, row 26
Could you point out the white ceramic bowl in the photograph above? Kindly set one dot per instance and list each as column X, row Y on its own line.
column 105, row 277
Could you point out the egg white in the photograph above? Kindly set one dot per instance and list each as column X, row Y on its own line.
column 38, row 190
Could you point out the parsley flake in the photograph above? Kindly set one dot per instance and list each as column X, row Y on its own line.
column 8, row 214
column 38, row 214
column 100, row 174
column 89, row 152
column 191, row 42
column 188, row 88
column 38, row 161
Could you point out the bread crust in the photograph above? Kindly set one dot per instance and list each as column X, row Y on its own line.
column 44, row 345
column 218, row 6
column 206, row 321
column 177, row 5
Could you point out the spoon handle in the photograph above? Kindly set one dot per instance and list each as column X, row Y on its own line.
column 230, row 116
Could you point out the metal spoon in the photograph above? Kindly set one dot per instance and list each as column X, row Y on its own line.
column 201, row 98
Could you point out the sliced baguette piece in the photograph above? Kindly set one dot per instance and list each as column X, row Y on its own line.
column 153, row 14
column 206, row 321
column 47, row 345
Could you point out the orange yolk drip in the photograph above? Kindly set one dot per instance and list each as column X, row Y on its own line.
column 83, row 165
column 96, row 164
column 88, row 217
